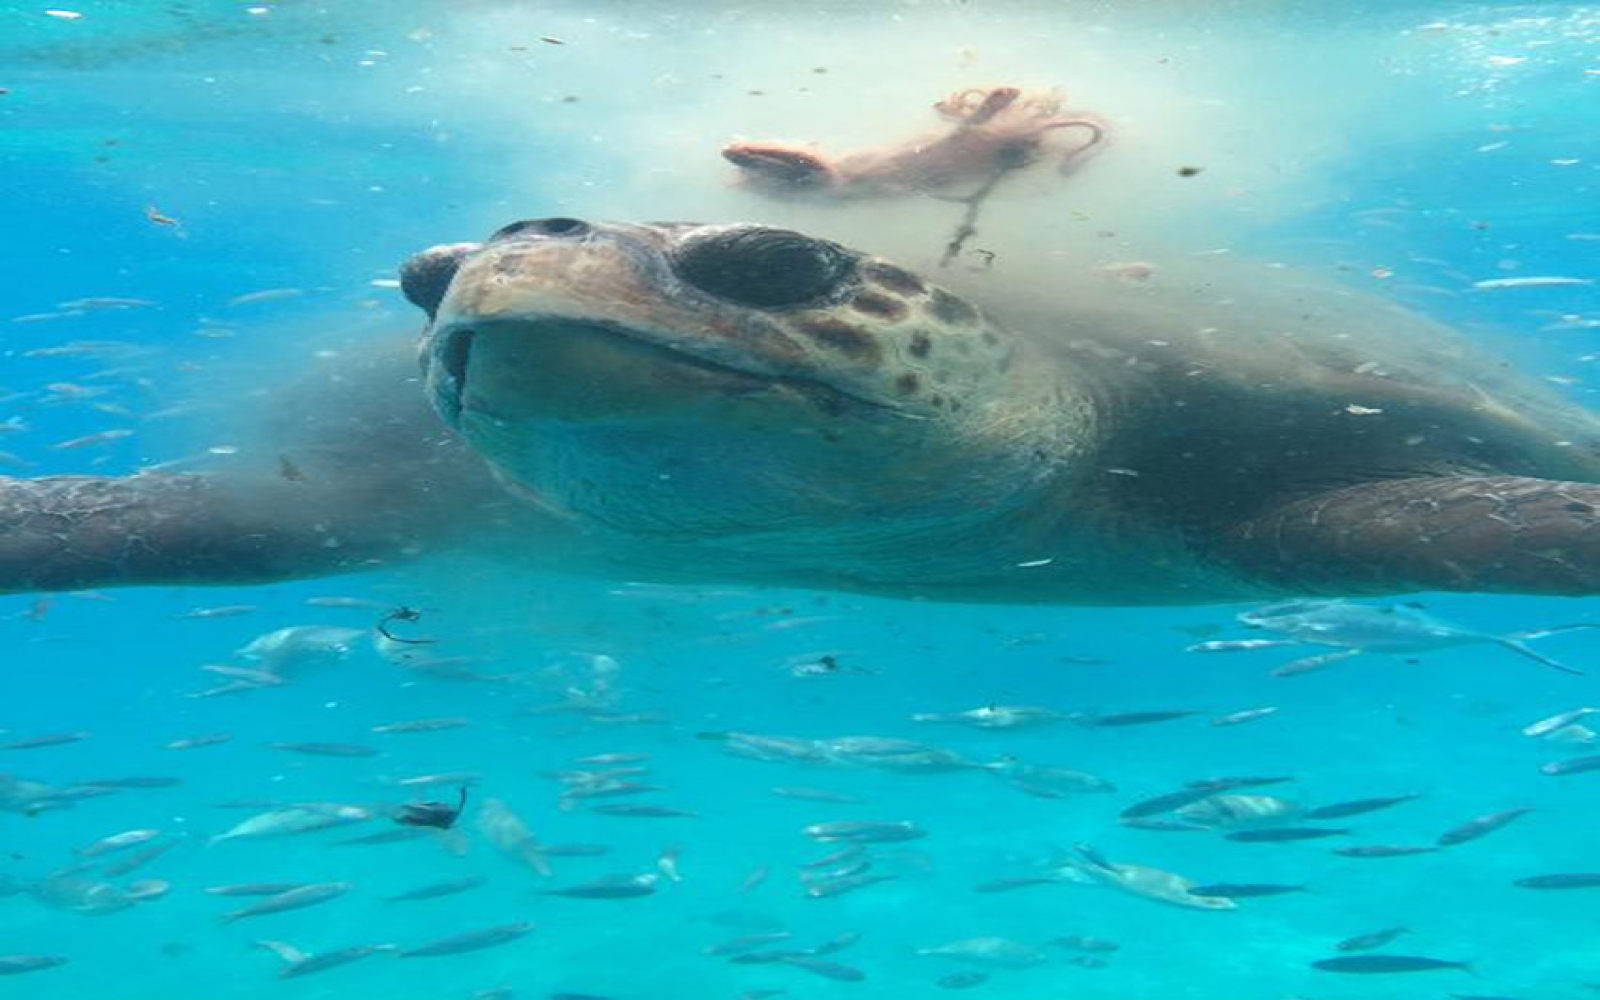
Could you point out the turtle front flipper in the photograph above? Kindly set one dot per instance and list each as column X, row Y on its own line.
column 347, row 468
column 1507, row 534
column 73, row 532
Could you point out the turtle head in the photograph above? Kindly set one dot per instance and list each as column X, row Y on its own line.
column 733, row 387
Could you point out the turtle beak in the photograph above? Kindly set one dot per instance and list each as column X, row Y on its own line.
column 426, row 276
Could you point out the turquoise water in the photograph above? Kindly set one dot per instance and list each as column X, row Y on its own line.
column 1411, row 149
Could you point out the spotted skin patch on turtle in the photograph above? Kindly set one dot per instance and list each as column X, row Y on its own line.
column 844, row 337
column 879, row 305
column 893, row 278
column 946, row 308
column 914, row 340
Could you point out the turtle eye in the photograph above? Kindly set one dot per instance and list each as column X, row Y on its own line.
column 571, row 228
column 761, row 267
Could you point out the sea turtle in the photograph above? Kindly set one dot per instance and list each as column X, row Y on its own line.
column 746, row 403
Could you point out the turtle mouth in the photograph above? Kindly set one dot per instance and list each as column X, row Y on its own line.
column 454, row 354
column 560, row 361
column 445, row 364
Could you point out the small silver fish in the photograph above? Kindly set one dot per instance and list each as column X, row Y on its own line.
column 398, row 835
column 1370, row 940
column 1169, row 802
column 422, row 725
column 996, row 952
column 1047, row 781
column 225, row 611
column 47, row 740
column 1574, row 765
column 1243, row 716
column 1284, row 834
column 1564, row 880
column 996, row 717
column 287, row 650
column 1381, row 964
column 806, row 794
column 825, row 888
column 1357, row 807
column 1360, row 628
column 254, row 888
column 117, row 842
column 326, row 749
column 89, row 440
column 611, row 759
column 265, row 295
column 12, row 965
column 297, row 963
column 477, row 940
column 1244, row 890
column 436, row 890
column 1382, row 850
column 1012, row 884
column 610, row 887
column 294, row 899
column 1480, row 826
column 745, row 943
column 107, row 302
column 294, row 819
column 755, row 877
column 1087, row 943
column 135, row 781
column 639, row 810
column 138, row 859
column 195, row 742
column 865, row 832
column 257, row 678
column 576, row 850
column 828, row 970
column 468, row 778
column 506, row 831
column 353, row 603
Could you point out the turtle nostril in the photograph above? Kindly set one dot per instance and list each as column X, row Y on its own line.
column 557, row 226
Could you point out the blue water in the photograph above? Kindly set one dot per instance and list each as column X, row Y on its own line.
column 314, row 147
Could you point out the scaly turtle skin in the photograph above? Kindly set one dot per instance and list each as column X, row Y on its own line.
column 734, row 402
